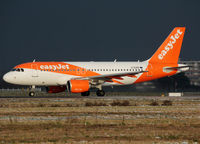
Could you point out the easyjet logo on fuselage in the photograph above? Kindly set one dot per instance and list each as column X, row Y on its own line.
column 170, row 44
column 54, row 67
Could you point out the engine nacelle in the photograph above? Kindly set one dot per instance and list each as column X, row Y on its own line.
column 56, row 89
column 78, row 86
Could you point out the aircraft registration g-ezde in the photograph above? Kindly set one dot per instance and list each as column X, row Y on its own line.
column 80, row 77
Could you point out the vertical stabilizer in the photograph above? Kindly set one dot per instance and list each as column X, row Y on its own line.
column 170, row 49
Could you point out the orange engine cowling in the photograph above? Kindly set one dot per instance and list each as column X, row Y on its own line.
column 78, row 86
column 56, row 89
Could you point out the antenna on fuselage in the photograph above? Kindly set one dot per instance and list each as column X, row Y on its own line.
column 34, row 60
column 115, row 60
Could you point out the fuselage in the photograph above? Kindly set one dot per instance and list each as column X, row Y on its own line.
column 58, row 73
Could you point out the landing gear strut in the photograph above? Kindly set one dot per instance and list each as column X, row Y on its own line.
column 32, row 93
column 87, row 93
column 100, row 93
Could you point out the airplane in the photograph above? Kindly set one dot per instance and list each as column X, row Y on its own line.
column 80, row 77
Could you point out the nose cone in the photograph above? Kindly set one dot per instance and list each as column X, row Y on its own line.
column 7, row 78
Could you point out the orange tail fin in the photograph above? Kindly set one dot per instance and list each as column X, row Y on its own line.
column 170, row 49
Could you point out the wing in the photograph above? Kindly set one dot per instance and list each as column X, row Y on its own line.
column 107, row 77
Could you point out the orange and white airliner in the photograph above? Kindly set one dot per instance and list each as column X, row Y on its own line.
column 80, row 77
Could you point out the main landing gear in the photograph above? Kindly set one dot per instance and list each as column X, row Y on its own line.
column 87, row 93
column 99, row 93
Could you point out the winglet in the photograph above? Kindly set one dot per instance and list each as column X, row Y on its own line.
column 169, row 51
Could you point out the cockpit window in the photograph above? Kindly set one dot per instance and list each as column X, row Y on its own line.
column 18, row 70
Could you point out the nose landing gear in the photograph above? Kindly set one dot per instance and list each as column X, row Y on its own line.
column 32, row 92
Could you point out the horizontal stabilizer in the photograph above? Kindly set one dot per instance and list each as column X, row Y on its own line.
column 181, row 68
column 177, row 68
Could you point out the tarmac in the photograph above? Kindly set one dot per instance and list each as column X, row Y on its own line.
column 123, row 97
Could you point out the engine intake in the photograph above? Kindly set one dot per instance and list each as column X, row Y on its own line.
column 78, row 86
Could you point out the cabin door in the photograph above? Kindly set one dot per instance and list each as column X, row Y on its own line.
column 34, row 70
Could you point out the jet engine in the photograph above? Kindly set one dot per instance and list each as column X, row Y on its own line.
column 78, row 86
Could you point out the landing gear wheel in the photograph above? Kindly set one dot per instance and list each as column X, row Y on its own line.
column 87, row 93
column 31, row 94
column 100, row 93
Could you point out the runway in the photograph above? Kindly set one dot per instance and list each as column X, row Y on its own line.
column 122, row 97
column 88, row 118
